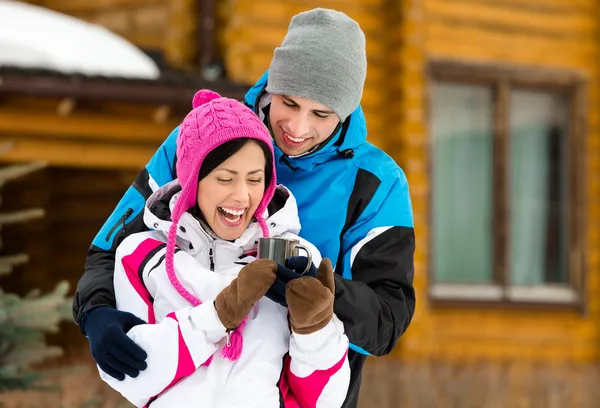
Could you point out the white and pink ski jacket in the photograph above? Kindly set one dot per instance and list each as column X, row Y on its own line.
column 277, row 368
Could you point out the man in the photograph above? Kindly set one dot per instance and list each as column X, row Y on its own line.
column 353, row 199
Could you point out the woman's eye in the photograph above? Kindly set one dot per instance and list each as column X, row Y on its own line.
column 221, row 180
column 321, row 116
column 255, row 181
column 289, row 105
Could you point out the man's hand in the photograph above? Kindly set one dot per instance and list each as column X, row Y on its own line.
column 292, row 270
column 115, row 353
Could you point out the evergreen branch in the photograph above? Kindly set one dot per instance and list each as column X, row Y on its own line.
column 7, row 263
column 21, row 216
column 16, row 171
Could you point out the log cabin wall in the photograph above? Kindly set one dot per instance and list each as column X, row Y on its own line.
column 542, row 35
column 69, row 132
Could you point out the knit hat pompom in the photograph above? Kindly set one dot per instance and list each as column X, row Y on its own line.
column 204, row 96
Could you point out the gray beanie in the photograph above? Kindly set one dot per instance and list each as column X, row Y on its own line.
column 322, row 58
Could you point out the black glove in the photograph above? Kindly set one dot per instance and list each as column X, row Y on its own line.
column 293, row 268
column 114, row 352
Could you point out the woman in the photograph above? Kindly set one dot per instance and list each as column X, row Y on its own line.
column 213, row 339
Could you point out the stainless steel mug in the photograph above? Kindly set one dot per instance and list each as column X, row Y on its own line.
column 281, row 249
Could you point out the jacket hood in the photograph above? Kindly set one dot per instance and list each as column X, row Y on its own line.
column 282, row 217
column 348, row 137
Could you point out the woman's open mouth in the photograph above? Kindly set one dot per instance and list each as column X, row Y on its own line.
column 231, row 216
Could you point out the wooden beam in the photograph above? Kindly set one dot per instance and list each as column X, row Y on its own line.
column 80, row 154
column 483, row 72
column 173, row 89
column 84, row 126
column 207, row 39
column 501, row 189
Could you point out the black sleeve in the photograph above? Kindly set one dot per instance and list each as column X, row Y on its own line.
column 377, row 305
column 95, row 287
column 377, row 301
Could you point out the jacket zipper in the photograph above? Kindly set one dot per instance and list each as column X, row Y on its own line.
column 212, row 268
column 211, row 259
column 120, row 221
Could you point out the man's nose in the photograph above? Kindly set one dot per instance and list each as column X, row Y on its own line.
column 299, row 126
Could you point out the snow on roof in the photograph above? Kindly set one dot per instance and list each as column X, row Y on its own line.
column 36, row 37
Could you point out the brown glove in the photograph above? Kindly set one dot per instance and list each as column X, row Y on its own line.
column 235, row 301
column 310, row 300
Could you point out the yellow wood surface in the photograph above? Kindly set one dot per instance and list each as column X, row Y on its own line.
column 78, row 154
column 100, row 128
column 559, row 34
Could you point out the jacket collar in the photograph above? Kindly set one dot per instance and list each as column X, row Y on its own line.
column 193, row 238
column 348, row 137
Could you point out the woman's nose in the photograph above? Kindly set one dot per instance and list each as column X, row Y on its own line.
column 240, row 192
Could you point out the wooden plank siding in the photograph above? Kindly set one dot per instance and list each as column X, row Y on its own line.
column 551, row 34
column 107, row 135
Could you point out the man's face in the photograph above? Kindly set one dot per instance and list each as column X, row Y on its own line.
column 299, row 124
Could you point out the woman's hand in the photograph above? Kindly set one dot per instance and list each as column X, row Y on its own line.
column 310, row 300
column 236, row 300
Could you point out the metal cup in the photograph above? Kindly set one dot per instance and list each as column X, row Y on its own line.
column 281, row 249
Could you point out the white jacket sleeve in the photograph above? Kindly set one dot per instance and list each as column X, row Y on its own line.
column 176, row 346
column 318, row 370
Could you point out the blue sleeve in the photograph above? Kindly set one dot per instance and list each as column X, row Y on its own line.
column 375, row 297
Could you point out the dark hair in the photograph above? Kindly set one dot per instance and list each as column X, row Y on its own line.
column 226, row 150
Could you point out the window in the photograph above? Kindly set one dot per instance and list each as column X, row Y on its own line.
column 506, row 171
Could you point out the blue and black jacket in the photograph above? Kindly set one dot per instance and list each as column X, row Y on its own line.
column 354, row 206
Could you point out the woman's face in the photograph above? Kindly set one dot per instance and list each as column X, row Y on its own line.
column 299, row 124
column 229, row 195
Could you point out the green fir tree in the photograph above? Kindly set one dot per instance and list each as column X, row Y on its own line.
column 25, row 320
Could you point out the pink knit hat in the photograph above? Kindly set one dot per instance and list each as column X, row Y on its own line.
column 213, row 121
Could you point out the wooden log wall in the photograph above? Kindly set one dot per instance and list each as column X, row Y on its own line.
column 555, row 34
column 94, row 135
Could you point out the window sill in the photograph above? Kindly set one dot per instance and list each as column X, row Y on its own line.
column 544, row 296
